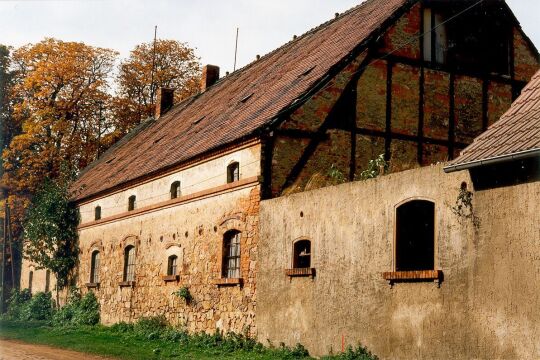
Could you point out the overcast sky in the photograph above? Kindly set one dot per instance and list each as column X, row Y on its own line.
column 208, row 25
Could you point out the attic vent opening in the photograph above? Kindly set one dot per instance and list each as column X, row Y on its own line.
column 307, row 71
column 199, row 120
column 246, row 98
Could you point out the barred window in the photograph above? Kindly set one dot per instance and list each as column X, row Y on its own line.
column 129, row 263
column 175, row 190
column 233, row 172
column 231, row 255
column 94, row 267
column 171, row 265
column 302, row 254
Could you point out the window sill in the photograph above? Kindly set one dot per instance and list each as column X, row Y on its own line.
column 126, row 283
column 414, row 276
column 92, row 285
column 229, row 282
column 169, row 278
column 300, row 272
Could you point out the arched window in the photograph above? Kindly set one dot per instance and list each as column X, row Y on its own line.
column 231, row 254
column 94, row 267
column 30, row 280
column 175, row 189
column 129, row 263
column 233, row 172
column 302, row 254
column 171, row 265
column 97, row 213
column 131, row 202
column 415, row 236
column 47, row 280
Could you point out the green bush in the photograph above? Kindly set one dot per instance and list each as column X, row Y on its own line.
column 78, row 311
column 40, row 307
column 17, row 301
column 358, row 353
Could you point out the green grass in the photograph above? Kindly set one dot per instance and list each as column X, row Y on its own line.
column 105, row 341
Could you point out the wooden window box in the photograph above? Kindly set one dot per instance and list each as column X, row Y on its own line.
column 169, row 278
column 299, row 272
column 92, row 285
column 414, row 276
column 229, row 282
column 126, row 283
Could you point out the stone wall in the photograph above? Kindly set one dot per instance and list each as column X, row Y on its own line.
column 193, row 231
column 487, row 304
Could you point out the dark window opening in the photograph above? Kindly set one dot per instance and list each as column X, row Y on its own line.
column 129, row 263
column 131, row 202
column 97, row 213
column 233, row 172
column 30, row 280
column 415, row 236
column 302, row 254
column 231, row 255
column 47, row 280
column 94, row 268
column 478, row 39
column 171, row 265
column 175, row 190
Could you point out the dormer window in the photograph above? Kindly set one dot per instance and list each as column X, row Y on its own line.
column 97, row 213
column 175, row 190
column 233, row 172
column 131, row 202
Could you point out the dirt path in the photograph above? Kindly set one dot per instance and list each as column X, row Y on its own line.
column 16, row 350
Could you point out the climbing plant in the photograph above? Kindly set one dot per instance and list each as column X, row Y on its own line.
column 376, row 167
column 463, row 207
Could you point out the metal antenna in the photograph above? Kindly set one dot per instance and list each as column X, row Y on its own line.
column 153, row 67
column 235, row 50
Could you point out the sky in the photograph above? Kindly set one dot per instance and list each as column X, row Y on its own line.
column 207, row 25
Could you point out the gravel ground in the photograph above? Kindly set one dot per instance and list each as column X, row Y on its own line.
column 16, row 350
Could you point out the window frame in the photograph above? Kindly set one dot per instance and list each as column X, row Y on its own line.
column 132, row 200
column 231, row 255
column 94, row 266
column 175, row 191
column 296, row 257
column 434, row 226
column 30, row 280
column 172, row 265
column 233, row 172
column 129, row 264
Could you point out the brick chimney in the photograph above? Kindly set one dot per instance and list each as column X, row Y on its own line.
column 210, row 75
column 164, row 101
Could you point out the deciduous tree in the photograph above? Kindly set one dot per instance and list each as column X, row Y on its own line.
column 171, row 64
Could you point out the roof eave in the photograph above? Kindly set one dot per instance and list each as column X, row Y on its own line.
column 493, row 160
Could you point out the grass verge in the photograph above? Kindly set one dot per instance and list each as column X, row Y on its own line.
column 107, row 341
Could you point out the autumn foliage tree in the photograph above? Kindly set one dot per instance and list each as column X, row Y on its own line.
column 68, row 102
column 169, row 64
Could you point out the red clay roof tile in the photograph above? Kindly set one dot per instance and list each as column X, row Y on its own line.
column 218, row 116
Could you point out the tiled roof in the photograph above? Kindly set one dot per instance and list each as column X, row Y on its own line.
column 239, row 104
column 516, row 134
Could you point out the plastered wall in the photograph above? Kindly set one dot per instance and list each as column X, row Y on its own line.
column 486, row 306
